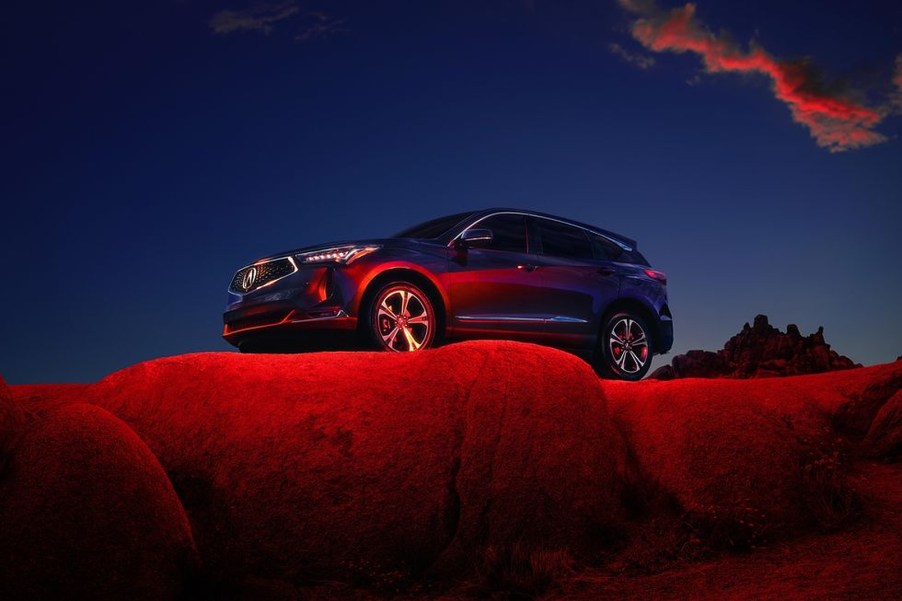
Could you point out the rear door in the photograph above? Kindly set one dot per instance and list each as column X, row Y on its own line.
column 578, row 280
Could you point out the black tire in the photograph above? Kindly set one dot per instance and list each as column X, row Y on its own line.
column 250, row 348
column 401, row 318
column 624, row 347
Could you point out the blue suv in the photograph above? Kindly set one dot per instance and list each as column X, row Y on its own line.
column 496, row 273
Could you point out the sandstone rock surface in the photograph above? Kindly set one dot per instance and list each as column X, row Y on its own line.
column 88, row 513
column 359, row 464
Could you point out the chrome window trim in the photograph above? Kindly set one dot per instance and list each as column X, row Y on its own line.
column 625, row 247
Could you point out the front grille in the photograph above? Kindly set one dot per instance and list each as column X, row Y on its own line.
column 265, row 273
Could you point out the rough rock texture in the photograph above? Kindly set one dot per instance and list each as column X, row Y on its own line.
column 359, row 465
column 41, row 397
column 324, row 475
column 759, row 351
column 730, row 458
column 747, row 462
column 88, row 513
column 10, row 424
column 855, row 416
column 884, row 437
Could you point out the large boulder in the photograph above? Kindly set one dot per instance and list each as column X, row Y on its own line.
column 744, row 462
column 363, row 465
column 88, row 513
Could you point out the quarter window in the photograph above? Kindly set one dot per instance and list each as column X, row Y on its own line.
column 562, row 240
column 604, row 248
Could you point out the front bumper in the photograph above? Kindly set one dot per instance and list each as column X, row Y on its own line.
column 241, row 325
column 310, row 300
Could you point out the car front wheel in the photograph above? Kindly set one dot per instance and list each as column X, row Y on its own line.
column 624, row 348
column 401, row 318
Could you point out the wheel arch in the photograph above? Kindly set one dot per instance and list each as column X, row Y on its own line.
column 425, row 282
column 639, row 307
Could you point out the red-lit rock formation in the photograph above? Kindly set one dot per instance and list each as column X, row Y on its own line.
column 355, row 465
column 10, row 423
column 375, row 470
column 884, row 437
column 88, row 513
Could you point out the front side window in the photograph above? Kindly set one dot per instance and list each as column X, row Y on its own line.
column 434, row 228
column 562, row 240
column 508, row 232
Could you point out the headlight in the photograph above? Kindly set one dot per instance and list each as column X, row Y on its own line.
column 337, row 254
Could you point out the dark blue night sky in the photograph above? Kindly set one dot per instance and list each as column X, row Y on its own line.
column 150, row 149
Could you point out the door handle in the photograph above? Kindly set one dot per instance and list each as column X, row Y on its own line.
column 528, row 267
column 606, row 270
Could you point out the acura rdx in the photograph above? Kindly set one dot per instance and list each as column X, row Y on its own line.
column 495, row 273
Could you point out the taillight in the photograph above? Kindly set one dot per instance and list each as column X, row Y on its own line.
column 656, row 275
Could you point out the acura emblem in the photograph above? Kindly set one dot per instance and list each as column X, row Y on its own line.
column 249, row 278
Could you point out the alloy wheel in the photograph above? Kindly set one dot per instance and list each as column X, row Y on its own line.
column 403, row 318
column 628, row 346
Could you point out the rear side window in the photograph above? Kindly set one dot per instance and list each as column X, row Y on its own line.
column 508, row 232
column 562, row 240
column 605, row 249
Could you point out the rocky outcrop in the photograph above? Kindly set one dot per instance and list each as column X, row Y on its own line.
column 759, row 351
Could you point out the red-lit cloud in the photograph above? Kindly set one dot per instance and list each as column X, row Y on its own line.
column 837, row 120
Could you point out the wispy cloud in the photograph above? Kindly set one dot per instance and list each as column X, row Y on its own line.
column 319, row 26
column 261, row 18
column 643, row 61
column 897, row 79
column 836, row 117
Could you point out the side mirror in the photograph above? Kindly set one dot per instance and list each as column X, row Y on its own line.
column 476, row 237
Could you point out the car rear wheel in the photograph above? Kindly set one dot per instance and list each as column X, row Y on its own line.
column 401, row 318
column 624, row 348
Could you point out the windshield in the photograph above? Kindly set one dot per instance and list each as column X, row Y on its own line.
column 433, row 228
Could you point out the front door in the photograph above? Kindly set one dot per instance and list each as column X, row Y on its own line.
column 495, row 287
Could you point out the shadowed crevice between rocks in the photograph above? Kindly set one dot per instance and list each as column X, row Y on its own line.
column 854, row 417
